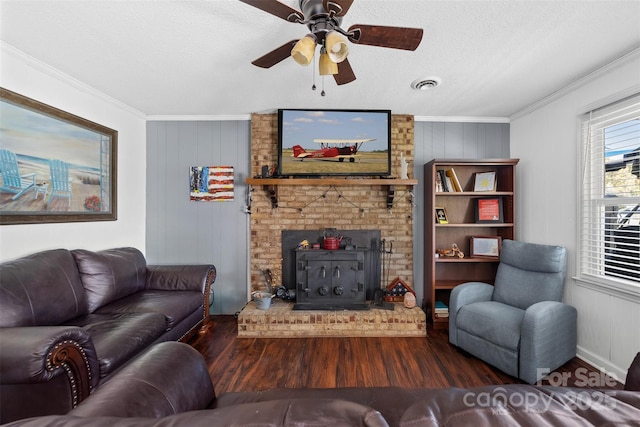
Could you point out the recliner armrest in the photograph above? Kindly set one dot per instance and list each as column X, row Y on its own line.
column 462, row 295
column 548, row 338
column 36, row 354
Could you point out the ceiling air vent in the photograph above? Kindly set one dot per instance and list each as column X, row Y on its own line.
column 426, row 83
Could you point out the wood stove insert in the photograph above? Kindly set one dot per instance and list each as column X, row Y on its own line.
column 342, row 279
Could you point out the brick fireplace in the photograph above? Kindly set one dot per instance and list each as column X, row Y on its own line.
column 316, row 207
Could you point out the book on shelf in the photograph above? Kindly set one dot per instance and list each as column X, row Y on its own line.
column 450, row 184
column 441, row 315
column 439, row 187
column 451, row 173
column 443, row 180
column 441, row 308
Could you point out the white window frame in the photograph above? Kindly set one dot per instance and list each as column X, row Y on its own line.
column 591, row 205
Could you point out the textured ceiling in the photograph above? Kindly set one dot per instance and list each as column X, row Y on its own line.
column 194, row 57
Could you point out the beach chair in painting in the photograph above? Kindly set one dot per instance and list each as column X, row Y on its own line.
column 12, row 181
column 60, row 182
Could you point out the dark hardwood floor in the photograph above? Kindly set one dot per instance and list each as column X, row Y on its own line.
column 247, row 364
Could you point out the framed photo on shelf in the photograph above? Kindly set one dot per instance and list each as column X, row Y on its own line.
column 485, row 181
column 485, row 246
column 489, row 210
column 441, row 215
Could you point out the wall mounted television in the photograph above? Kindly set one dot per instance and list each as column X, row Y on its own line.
column 334, row 142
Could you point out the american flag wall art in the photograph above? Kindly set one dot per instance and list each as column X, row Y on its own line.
column 211, row 183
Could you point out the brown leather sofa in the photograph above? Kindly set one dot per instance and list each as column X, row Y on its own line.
column 70, row 319
column 169, row 385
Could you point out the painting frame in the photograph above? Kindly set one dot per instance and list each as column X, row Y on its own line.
column 489, row 210
column 485, row 247
column 485, row 181
column 101, row 207
column 441, row 215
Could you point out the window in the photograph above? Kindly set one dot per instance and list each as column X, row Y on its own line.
column 610, row 196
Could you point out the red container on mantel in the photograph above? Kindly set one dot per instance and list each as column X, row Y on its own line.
column 331, row 243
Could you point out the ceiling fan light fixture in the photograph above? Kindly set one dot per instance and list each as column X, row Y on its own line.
column 336, row 46
column 327, row 66
column 304, row 49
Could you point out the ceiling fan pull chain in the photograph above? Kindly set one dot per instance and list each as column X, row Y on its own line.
column 313, row 73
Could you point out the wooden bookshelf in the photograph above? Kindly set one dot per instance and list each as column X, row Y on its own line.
column 442, row 274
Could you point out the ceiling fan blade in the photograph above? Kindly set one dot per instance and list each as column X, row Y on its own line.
column 379, row 35
column 345, row 73
column 339, row 7
column 276, row 55
column 276, row 8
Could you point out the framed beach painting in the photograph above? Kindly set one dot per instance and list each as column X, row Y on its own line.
column 54, row 166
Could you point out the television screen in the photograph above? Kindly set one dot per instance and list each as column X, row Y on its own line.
column 334, row 142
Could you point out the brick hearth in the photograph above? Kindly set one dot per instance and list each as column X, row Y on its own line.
column 280, row 321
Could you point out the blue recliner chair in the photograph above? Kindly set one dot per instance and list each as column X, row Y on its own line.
column 519, row 325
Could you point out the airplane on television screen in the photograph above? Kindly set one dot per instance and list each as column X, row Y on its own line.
column 332, row 148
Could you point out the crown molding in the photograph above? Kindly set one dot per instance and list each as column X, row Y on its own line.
column 463, row 119
column 630, row 56
column 198, row 118
column 29, row 60
column 247, row 117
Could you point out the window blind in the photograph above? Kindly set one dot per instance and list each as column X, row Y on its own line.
column 610, row 193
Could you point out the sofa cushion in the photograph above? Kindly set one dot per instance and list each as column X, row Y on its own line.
column 118, row 337
column 174, row 305
column 495, row 322
column 391, row 402
column 43, row 289
column 276, row 413
column 110, row 274
column 524, row 405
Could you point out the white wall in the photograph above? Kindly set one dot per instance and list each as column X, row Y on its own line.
column 545, row 138
column 22, row 74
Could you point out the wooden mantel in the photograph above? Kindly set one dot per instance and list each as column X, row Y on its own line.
column 271, row 184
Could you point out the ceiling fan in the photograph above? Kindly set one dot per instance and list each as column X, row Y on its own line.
column 323, row 18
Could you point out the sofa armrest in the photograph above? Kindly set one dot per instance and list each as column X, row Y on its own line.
column 633, row 375
column 37, row 354
column 168, row 378
column 182, row 278
column 548, row 338
column 462, row 295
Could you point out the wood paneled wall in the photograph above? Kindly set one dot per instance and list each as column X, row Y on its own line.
column 181, row 231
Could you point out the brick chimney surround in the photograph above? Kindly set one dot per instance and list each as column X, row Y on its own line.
column 321, row 206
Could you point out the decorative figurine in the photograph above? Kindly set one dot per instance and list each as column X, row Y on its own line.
column 409, row 300
column 404, row 166
column 454, row 251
